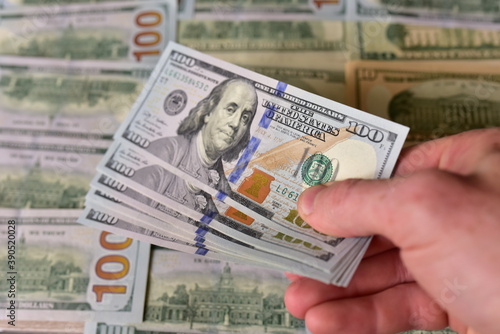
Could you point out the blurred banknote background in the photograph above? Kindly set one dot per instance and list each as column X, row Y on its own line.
column 71, row 70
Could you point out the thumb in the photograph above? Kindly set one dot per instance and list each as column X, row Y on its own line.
column 406, row 210
column 347, row 208
column 338, row 208
column 359, row 207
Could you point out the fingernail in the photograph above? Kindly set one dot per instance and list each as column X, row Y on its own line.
column 306, row 201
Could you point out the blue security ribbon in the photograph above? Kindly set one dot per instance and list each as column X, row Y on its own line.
column 221, row 196
column 207, row 218
column 201, row 251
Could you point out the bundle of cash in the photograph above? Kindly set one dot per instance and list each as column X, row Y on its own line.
column 212, row 158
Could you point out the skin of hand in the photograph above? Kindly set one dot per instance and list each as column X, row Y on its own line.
column 435, row 258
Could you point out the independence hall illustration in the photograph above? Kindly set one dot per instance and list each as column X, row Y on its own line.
column 222, row 304
column 40, row 274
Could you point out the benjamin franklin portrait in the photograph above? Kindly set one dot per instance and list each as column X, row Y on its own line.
column 217, row 129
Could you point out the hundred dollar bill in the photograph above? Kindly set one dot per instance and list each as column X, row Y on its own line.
column 99, row 216
column 195, row 233
column 248, row 9
column 263, row 143
column 209, row 243
column 265, row 35
column 37, row 141
column 135, row 31
column 435, row 99
column 397, row 41
column 19, row 140
column 47, row 97
column 218, row 296
column 326, row 81
column 61, row 270
column 461, row 12
column 110, row 206
column 315, row 51
column 56, row 176
column 185, row 7
column 257, row 235
column 252, row 232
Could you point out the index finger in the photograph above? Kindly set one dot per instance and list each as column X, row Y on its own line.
column 457, row 154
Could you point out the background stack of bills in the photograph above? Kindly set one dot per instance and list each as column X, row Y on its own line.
column 70, row 72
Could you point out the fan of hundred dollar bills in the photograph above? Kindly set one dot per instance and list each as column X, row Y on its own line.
column 212, row 159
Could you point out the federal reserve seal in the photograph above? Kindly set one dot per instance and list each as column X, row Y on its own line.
column 317, row 169
column 175, row 102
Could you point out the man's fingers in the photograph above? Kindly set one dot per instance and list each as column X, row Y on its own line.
column 398, row 309
column 335, row 209
column 457, row 154
column 421, row 156
column 374, row 274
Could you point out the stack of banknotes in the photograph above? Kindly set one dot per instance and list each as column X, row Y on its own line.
column 212, row 158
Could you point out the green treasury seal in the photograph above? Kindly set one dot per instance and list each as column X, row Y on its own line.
column 317, row 169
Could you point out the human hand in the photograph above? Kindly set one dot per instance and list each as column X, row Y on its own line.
column 435, row 259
